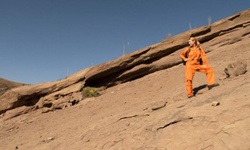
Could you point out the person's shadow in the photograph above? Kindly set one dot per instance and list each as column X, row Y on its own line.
column 199, row 88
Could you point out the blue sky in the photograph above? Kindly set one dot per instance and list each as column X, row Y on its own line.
column 47, row 40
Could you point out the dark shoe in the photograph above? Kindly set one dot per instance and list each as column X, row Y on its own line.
column 212, row 86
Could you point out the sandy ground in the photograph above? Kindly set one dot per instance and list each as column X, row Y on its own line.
column 150, row 113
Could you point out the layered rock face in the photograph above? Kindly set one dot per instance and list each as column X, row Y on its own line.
column 6, row 85
column 143, row 103
column 132, row 66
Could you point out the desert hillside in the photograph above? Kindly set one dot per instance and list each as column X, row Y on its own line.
column 142, row 103
column 6, row 85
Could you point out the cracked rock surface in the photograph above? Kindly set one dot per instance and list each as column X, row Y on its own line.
column 143, row 105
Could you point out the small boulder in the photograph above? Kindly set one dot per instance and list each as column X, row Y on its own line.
column 235, row 69
column 215, row 103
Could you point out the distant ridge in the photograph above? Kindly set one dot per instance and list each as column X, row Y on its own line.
column 7, row 84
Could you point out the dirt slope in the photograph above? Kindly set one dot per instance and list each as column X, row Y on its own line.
column 149, row 113
column 160, row 56
column 6, row 85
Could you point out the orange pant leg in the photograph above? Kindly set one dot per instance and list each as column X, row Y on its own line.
column 189, row 77
column 190, row 72
column 209, row 74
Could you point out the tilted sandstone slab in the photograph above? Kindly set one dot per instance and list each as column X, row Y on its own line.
column 147, row 60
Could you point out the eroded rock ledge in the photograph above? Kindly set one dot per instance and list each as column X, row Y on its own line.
column 132, row 66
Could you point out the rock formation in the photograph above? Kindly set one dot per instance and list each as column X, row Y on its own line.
column 236, row 69
column 153, row 58
column 6, row 85
column 143, row 105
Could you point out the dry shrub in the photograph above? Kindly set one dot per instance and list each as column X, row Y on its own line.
column 90, row 92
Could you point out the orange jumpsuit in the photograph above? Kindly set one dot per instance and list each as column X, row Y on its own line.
column 193, row 64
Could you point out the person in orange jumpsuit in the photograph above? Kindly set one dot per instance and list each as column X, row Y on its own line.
column 191, row 55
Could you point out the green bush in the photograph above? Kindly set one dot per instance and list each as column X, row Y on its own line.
column 90, row 92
